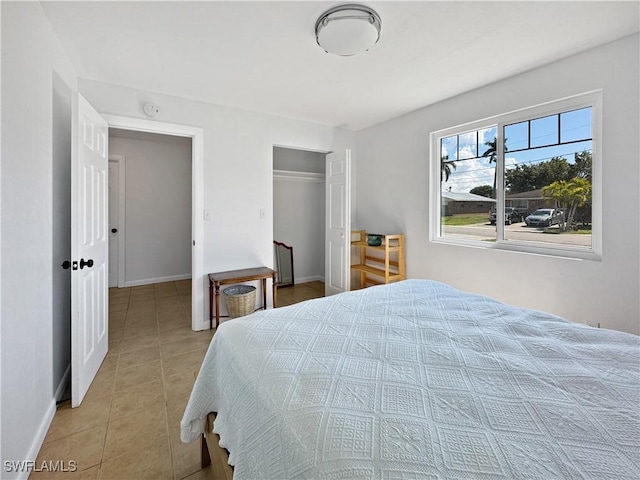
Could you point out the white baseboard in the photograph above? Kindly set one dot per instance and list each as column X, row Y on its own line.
column 38, row 440
column 148, row 281
column 43, row 429
column 314, row 278
column 63, row 383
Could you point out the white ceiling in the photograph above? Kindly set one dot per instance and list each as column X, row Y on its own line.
column 262, row 55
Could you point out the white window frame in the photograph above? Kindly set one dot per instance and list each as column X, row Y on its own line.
column 590, row 99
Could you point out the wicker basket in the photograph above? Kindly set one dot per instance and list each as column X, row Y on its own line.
column 240, row 300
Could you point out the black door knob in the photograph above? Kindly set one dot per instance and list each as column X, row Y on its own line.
column 88, row 263
column 114, row 230
column 66, row 264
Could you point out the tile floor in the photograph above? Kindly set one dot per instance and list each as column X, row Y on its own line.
column 128, row 426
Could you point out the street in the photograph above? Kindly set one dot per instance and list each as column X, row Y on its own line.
column 516, row 231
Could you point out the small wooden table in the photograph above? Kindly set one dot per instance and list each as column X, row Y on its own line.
column 238, row 276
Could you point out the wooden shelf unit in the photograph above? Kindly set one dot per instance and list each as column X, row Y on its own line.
column 379, row 264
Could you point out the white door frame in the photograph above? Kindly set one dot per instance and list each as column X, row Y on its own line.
column 121, row 160
column 197, row 201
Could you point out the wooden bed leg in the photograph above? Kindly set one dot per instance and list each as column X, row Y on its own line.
column 205, row 458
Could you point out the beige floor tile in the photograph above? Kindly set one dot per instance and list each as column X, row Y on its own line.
column 93, row 412
column 117, row 317
column 83, row 448
column 183, row 364
column 173, row 307
column 138, row 399
column 78, row 474
column 142, row 305
column 141, row 317
column 167, row 295
column 174, row 334
column 170, row 314
column 142, row 290
column 184, row 346
column 116, row 333
column 137, row 375
column 119, row 307
column 134, row 329
column 184, row 323
column 113, row 347
column 178, row 388
column 138, row 357
column 135, row 433
column 205, row 474
column 109, row 364
column 103, row 383
column 139, row 342
column 185, row 456
column 146, row 300
column 150, row 461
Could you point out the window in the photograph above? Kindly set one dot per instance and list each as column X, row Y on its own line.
column 538, row 166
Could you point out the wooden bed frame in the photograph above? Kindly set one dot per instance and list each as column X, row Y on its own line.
column 212, row 454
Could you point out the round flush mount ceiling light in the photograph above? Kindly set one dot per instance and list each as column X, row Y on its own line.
column 348, row 29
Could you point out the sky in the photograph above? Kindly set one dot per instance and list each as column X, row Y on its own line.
column 472, row 169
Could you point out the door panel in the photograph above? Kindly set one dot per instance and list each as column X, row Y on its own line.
column 338, row 223
column 89, row 247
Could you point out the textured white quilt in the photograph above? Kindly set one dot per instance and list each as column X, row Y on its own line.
column 417, row 380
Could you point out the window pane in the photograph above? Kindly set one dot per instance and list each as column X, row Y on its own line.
column 544, row 131
column 468, row 145
column 486, row 141
column 516, row 136
column 575, row 125
column 467, row 188
column 532, row 177
column 449, row 148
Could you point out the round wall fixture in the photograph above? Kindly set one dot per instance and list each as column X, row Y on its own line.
column 151, row 110
column 348, row 29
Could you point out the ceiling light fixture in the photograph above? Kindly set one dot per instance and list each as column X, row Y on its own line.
column 348, row 29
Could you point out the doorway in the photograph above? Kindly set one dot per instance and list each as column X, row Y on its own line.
column 150, row 236
column 196, row 135
column 117, row 209
column 299, row 210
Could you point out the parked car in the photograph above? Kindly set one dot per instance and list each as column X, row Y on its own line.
column 511, row 215
column 544, row 217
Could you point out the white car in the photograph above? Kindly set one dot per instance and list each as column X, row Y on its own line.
column 544, row 217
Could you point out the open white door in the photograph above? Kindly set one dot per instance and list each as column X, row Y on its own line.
column 338, row 223
column 89, row 246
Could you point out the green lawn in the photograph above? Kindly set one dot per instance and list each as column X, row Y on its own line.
column 466, row 219
column 582, row 230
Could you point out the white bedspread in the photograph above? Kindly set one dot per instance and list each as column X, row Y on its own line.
column 417, row 380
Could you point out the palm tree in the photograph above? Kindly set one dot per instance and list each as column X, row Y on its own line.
column 445, row 167
column 492, row 153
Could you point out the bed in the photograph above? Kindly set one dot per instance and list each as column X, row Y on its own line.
column 418, row 380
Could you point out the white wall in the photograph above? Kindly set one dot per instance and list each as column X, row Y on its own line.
column 31, row 56
column 157, row 205
column 395, row 155
column 238, row 167
column 299, row 210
